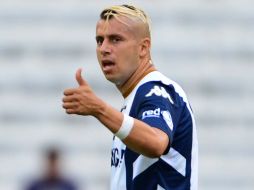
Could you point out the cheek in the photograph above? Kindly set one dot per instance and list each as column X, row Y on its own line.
column 98, row 58
column 98, row 55
column 132, row 55
column 97, row 52
column 130, row 51
column 130, row 62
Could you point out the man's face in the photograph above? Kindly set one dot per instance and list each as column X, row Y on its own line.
column 117, row 49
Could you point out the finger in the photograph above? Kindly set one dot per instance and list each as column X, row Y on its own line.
column 71, row 111
column 79, row 78
column 69, row 98
column 70, row 91
column 70, row 105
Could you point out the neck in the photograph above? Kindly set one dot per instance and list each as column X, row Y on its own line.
column 143, row 69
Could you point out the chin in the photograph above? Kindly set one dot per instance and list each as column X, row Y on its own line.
column 117, row 82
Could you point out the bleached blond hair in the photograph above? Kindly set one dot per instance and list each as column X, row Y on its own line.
column 128, row 11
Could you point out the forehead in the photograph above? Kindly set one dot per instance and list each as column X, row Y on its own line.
column 124, row 26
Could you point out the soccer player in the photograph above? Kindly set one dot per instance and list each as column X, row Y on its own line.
column 155, row 143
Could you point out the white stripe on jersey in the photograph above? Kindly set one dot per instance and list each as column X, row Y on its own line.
column 176, row 160
column 194, row 153
column 173, row 158
column 141, row 164
column 160, row 188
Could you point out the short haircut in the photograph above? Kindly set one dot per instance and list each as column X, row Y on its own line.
column 128, row 11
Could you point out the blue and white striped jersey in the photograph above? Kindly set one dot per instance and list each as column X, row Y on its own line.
column 161, row 103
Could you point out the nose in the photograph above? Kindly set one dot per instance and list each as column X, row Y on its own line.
column 105, row 48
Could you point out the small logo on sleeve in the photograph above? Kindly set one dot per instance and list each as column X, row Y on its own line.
column 151, row 113
column 157, row 113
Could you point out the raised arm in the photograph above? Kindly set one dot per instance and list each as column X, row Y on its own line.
column 144, row 139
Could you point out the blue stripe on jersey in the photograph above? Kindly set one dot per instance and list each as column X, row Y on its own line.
column 160, row 106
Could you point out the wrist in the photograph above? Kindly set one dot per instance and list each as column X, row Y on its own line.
column 100, row 110
column 126, row 127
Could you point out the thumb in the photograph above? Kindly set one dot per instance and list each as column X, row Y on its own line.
column 79, row 78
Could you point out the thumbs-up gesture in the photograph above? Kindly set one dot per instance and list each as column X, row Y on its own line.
column 81, row 100
column 79, row 78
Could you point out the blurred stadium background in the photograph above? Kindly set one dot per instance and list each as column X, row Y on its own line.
column 206, row 46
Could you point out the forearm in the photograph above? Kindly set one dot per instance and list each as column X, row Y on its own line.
column 147, row 140
column 109, row 117
column 143, row 138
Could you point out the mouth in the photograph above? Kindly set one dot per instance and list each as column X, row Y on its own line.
column 107, row 65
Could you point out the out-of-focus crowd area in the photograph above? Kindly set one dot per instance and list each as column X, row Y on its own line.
column 206, row 46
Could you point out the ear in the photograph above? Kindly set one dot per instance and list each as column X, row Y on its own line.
column 145, row 45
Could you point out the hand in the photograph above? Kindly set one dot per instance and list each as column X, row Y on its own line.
column 81, row 100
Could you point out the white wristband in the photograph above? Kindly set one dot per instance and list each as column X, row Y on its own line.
column 125, row 128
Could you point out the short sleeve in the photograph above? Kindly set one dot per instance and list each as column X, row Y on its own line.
column 155, row 105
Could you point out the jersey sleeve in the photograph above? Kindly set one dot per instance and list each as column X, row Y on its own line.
column 155, row 105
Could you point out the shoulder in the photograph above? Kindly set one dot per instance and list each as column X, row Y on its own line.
column 157, row 86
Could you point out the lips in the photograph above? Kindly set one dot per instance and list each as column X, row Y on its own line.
column 107, row 65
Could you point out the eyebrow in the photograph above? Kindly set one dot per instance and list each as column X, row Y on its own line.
column 110, row 36
column 98, row 37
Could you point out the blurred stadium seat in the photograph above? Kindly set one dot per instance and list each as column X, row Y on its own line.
column 206, row 46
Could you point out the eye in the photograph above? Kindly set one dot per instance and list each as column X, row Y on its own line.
column 99, row 40
column 115, row 40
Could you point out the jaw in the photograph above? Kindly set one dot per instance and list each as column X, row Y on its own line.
column 114, row 79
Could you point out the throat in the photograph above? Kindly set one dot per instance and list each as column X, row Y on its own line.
column 137, row 76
